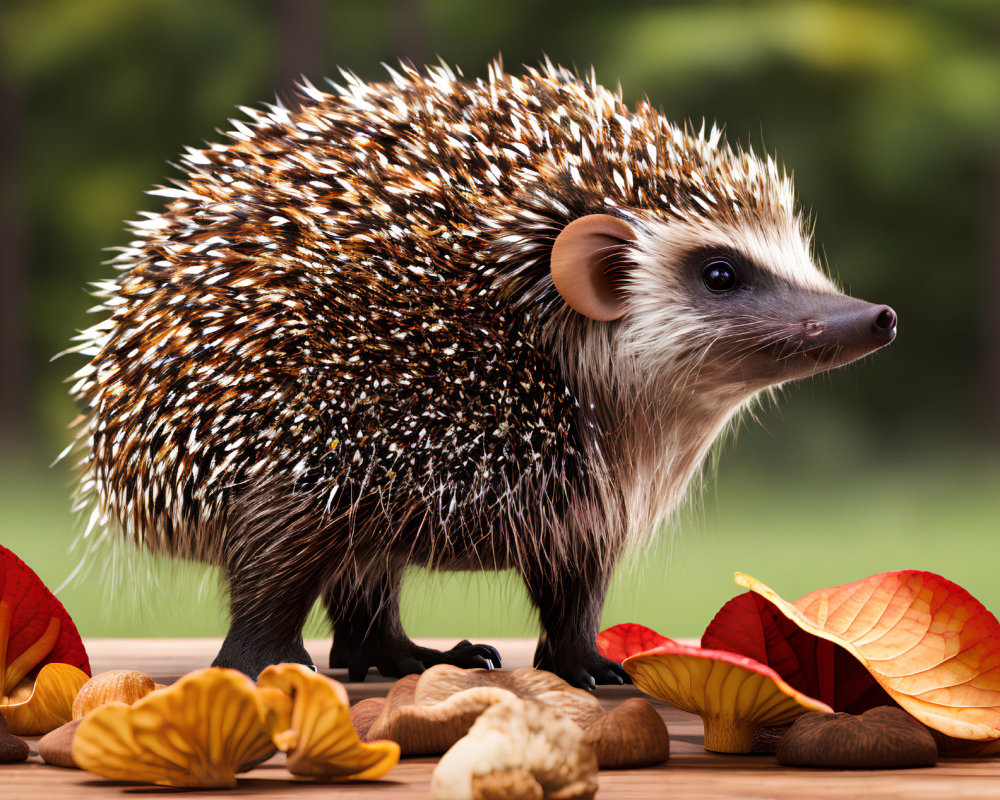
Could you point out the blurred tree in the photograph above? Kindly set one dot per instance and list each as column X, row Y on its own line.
column 989, row 319
column 889, row 113
column 15, row 376
column 410, row 30
column 300, row 35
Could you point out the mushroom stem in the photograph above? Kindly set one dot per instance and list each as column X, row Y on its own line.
column 728, row 735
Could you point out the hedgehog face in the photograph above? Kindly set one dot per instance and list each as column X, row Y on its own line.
column 767, row 315
column 726, row 309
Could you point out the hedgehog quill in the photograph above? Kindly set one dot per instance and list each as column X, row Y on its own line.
column 465, row 324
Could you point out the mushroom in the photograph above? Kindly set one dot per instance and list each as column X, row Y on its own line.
column 315, row 728
column 117, row 685
column 881, row 738
column 518, row 750
column 43, row 703
column 199, row 732
column 428, row 713
column 734, row 695
column 12, row 749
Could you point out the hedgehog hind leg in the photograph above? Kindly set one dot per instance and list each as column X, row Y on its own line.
column 274, row 565
column 266, row 621
column 268, row 632
column 368, row 632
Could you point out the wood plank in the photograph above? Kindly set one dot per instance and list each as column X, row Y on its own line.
column 691, row 772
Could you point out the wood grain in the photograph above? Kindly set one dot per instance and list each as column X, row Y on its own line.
column 690, row 773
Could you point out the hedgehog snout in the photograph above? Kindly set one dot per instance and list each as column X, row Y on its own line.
column 847, row 329
column 854, row 326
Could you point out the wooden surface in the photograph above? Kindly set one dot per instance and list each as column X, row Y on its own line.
column 690, row 773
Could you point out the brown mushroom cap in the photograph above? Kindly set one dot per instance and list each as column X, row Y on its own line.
column 428, row 713
column 881, row 738
column 12, row 749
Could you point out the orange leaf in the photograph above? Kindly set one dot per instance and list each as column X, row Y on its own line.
column 753, row 626
column 930, row 644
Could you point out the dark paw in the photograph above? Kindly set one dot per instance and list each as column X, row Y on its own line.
column 584, row 671
column 415, row 659
column 395, row 661
column 467, row 655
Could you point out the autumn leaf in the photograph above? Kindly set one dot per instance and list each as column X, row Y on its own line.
column 35, row 630
column 621, row 641
column 753, row 626
column 928, row 643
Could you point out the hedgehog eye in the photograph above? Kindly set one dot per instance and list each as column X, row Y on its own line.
column 719, row 276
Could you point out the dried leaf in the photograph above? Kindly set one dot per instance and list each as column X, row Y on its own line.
column 621, row 641
column 752, row 626
column 34, row 630
column 931, row 645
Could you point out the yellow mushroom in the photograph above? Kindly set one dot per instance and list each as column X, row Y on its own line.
column 734, row 695
column 199, row 732
column 316, row 731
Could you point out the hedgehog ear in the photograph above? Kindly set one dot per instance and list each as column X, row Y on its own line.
column 584, row 257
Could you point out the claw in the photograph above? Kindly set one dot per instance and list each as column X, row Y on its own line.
column 408, row 660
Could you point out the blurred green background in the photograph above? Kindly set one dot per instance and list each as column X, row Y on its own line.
column 887, row 112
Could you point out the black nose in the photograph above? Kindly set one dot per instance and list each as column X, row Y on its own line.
column 885, row 319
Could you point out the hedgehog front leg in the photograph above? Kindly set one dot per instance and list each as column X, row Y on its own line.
column 570, row 598
column 368, row 632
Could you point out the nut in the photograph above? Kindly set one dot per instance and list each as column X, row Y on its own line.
column 56, row 747
column 12, row 749
column 117, row 685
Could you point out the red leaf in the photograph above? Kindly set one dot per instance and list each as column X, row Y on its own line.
column 34, row 627
column 621, row 641
column 752, row 626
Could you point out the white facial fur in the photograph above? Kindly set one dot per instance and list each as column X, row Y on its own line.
column 665, row 400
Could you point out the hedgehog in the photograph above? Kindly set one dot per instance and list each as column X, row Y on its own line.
column 466, row 324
